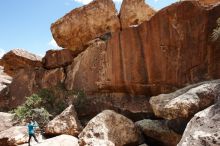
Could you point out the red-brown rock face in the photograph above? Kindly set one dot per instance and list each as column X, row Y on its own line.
column 169, row 51
column 83, row 24
column 58, row 58
column 206, row 2
column 134, row 12
column 19, row 59
column 29, row 81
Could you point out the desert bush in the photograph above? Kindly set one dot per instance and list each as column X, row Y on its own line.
column 31, row 109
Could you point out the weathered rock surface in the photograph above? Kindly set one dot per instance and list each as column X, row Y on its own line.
column 185, row 102
column 158, row 130
column 5, row 79
column 29, row 81
column 203, row 129
column 62, row 140
column 88, row 74
column 65, row 123
column 19, row 59
column 6, row 121
column 134, row 12
column 78, row 27
column 109, row 128
column 58, row 58
column 15, row 136
column 206, row 2
column 150, row 60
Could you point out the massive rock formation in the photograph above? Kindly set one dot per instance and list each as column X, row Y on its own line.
column 186, row 102
column 134, row 12
column 157, row 129
column 58, row 58
column 65, row 123
column 83, row 24
column 19, row 59
column 203, row 128
column 154, row 57
column 109, row 128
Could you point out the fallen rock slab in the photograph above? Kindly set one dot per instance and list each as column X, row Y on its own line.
column 84, row 24
column 15, row 135
column 109, row 128
column 185, row 102
column 134, row 12
column 158, row 130
column 203, row 128
column 65, row 123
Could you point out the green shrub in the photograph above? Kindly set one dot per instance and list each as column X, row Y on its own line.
column 24, row 111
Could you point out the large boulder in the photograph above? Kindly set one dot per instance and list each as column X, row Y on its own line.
column 18, row 59
column 158, row 130
column 134, row 12
column 62, row 140
column 109, row 128
column 65, row 123
column 15, row 136
column 84, row 24
column 6, row 121
column 203, row 128
column 58, row 58
column 186, row 102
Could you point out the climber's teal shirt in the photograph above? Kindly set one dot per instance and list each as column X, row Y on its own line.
column 31, row 128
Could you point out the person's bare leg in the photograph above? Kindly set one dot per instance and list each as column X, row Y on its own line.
column 29, row 140
column 35, row 138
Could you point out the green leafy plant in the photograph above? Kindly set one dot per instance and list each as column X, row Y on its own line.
column 30, row 109
column 216, row 32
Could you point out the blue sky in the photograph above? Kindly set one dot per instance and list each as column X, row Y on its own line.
column 26, row 23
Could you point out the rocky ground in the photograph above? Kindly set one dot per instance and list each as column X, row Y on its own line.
column 137, row 78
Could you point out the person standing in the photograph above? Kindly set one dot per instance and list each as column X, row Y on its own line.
column 31, row 131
